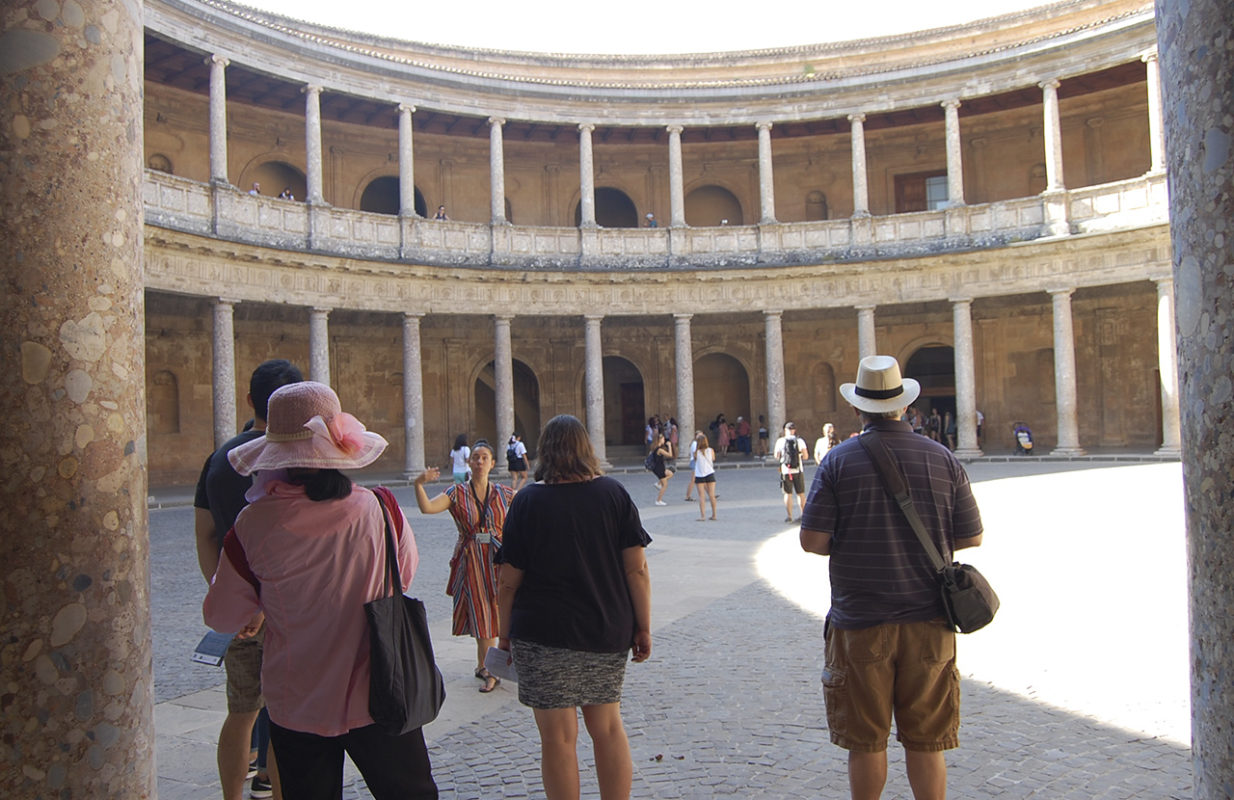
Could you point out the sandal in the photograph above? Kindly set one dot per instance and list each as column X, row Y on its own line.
column 491, row 681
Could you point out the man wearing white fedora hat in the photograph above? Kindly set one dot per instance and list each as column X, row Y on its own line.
column 889, row 650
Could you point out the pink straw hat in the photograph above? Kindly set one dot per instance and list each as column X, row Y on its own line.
column 307, row 428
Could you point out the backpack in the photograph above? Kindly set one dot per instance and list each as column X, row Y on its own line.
column 511, row 455
column 792, row 453
column 649, row 463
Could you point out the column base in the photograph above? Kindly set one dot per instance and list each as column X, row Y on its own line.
column 971, row 452
column 1169, row 452
column 1068, row 451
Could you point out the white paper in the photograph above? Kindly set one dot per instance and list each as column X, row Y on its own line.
column 498, row 662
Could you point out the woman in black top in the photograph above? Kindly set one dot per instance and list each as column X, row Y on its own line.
column 575, row 598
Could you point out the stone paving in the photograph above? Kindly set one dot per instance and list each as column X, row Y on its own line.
column 1058, row 703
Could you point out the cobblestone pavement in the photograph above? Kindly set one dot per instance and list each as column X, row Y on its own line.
column 1058, row 702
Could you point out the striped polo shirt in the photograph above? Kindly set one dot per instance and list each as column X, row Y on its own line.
column 879, row 571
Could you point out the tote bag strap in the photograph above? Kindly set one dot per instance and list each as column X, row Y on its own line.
column 893, row 479
column 385, row 499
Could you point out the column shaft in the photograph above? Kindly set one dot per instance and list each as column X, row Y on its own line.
column 1064, row 376
column 684, row 359
column 965, row 379
column 861, row 188
column 218, row 118
column 586, row 177
column 503, row 369
column 766, row 178
column 774, row 356
column 1167, row 366
column 312, row 143
column 866, row 345
column 1052, row 132
column 413, row 397
column 496, row 172
column 955, row 160
column 319, row 345
column 223, row 384
column 593, row 370
column 78, row 701
column 676, row 181
column 1156, row 125
column 406, row 164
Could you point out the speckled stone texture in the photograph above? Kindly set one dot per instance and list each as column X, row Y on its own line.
column 76, row 704
column 1196, row 42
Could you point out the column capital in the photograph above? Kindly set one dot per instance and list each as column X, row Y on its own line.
column 311, row 88
column 856, row 117
column 955, row 301
column 683, row 317
column 951, row 103
column 677, row 129
column 407, row 108
column 1049, row 83
column 593, row 317
column 1149, row 56
column 1063, row 290
column 1162, row 280
column 763, row 125
column 320, row 310
column 496, row 122
column 773, row 312
column 586, row 127
column 215, row 58
column 503, row 319
column 227, row 301
column 413, row 315
column 867, row 307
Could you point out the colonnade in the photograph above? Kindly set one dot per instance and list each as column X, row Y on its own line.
column 966, row 390
column 767, row 215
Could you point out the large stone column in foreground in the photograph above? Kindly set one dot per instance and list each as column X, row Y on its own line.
column 1197, row 69
column 75, row 671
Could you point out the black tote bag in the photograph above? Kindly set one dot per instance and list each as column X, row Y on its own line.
column 406, row 690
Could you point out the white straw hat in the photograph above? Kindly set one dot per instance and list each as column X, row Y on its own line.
column 879, row 387
column 307, row 428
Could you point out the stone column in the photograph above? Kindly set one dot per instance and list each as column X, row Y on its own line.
column 319, row 345
column 586, row 177
column 312, row 143
column 866, row 345
column 218, row 119
column 955, row 161
column 1167, row 365
column 1197, row 70
column 766, row 182
column 224, row 362
column 593, row 370
column 78, row 704
column 775, row 372
column 861, row 187
column 1052, row 132
column 676, row 182
column 684, row 358
column 413, row 397
column 1156, row 127
column 967, row 445
column 1064, row 376
column 503, row 370
column 406, row 165
column 496, row 171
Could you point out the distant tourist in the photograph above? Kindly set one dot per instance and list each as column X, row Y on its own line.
column 651, row 220
column 256, row 190
column 441, row 214
column 286, row 194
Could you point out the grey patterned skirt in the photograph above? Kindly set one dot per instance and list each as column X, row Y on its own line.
column 553, row 677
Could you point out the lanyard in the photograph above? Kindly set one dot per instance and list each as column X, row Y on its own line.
column 483, row 507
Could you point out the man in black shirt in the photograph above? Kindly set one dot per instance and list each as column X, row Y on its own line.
column 219, row 500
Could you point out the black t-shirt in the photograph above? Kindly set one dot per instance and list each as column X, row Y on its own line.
column 220, row 489
column 568, row 539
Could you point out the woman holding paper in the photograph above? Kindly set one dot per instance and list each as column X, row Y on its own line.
column 575, row 600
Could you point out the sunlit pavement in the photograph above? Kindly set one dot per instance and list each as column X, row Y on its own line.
column 1077, row 690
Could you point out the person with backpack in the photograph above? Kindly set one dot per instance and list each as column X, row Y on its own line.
column 516, row 461
column 790, row 451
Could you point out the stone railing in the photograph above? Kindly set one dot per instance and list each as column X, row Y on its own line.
column 226, row 213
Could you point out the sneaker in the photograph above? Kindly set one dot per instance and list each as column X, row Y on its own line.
column 661, row 503
column 252, row 773
column 259, row 790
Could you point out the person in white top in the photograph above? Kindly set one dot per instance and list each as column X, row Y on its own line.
column 791, row 451
column 459, row 457
column 704, row 473
column 693, row 450
column 825, row 442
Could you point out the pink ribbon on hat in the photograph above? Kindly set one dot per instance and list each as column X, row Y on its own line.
column 343, row 431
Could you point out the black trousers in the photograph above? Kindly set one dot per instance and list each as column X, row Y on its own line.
column 394, row 767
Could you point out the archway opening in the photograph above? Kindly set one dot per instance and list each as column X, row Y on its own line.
column 711, row 206
column 624, row 404
column 721, row 386
column 277, row 176
column 933, row 366
column 614, row 209
column 526, row 407
column 381, row 196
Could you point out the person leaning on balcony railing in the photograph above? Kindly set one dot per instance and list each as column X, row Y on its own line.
column 441, row 214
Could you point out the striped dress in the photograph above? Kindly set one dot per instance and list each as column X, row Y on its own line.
column 473, row 578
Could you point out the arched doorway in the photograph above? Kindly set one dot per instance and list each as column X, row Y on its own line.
column 275, row 176
column 721, row 386
column 381, row 196
column 711, row 206
column 933, row 366
column 614, row 209
column 624, row 407
column 526, row 407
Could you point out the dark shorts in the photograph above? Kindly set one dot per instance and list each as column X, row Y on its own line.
column 793, row 483
column 554, row 677
column 706, row 478
column 519, row 466
column 906, row 669
column 243, row 664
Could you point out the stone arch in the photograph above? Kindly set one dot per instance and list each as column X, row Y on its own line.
column 274, row 174
column 932, row 365
column 526, row 406
column 721, row 385
column 625, row 402
column 614, row 209
column 163, row 404
column 160, row 163
column 380, row 195
column 816, row 206
column 709, row 205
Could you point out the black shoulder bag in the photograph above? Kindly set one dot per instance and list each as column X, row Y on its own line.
column 967, row 596
column 406, row 690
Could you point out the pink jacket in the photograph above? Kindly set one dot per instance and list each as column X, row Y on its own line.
column 318, row 563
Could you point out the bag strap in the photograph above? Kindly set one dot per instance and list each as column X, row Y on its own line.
column 239, row 559
column 893, row 479
column 385, row 499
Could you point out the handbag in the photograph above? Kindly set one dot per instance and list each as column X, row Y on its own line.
column 968, row 598
column 406, row 690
